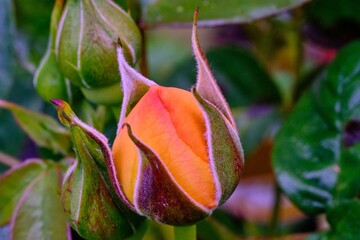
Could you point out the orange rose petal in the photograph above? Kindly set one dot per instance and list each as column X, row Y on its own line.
column 126, row 163
column 170, row 122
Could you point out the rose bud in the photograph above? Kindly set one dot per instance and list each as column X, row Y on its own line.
column 91, row 206
column 86, row 47
column 177, row 155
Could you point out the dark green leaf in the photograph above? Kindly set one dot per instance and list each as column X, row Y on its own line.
column 212, row 13
column 344, row 221
column 240, row 76
column 44, row 130
column 312, row 164
column 329, row 12
column 12, row 185
column 39, row 213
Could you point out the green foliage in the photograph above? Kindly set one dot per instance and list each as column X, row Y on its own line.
column 344, row 220
column 316, row 154
column 42, row 129
column 330, row 12
column 13, row 184
column 30, row 201
column 39, row 213
column 212, row 12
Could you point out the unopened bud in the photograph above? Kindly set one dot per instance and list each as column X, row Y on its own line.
column 86, row 47
column 177, row 154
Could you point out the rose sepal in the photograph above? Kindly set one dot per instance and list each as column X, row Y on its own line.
column 91, row 205
column 225, row 150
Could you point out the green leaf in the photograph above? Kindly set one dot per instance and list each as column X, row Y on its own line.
column 212, row 13
column 42, row 129
column 12, row 185
column 328, row 13
column 238, row 73
column 344, row 221
column 39, row 213
column 313, row 164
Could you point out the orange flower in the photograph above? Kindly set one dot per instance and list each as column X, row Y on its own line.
column 170, row 122
column 177, row 155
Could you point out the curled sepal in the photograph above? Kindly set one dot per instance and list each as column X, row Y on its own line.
column 90, row 202
column 224, row 147
column 134, row 85
column 158, row 196
column 206, row 84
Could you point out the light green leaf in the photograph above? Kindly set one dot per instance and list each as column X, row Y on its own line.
column 12, row 185
column 212, row 12
column 39, row 213
column 42, row 129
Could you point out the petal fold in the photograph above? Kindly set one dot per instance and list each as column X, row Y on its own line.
column 158, row 196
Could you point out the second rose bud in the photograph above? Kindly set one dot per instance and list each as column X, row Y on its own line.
column 86, row 47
